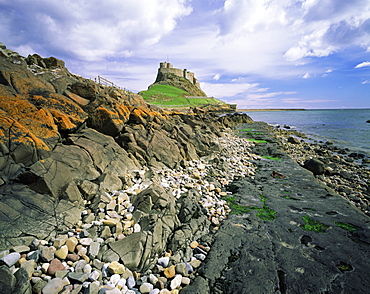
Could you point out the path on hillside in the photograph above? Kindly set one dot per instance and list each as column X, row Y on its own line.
column 250, row 255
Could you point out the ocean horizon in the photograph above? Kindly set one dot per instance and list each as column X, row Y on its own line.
column 345, row 127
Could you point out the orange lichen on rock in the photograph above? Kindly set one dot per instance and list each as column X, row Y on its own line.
column 62, row 120
column 61, row 103
column 21, row 135
column 38, row 121
column 123, row 112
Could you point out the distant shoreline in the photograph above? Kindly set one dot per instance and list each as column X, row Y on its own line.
column 271, row 109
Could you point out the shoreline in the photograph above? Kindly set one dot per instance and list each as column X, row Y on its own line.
column 210, row 182
column 270, row 109
column 288, row 227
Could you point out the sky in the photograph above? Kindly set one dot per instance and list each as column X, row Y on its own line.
column 311, row 54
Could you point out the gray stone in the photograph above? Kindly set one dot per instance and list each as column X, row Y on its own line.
column 39, row 285
column 163, row 261
column 80, row 265
column 73, row 194
column 21, row 249
column 145, row 288
column 94, row 276
column 89, row 189
column 130, row 282
column 34, row 255
column 47, row 254
column 93, row 288
column 10, row 259
column 94, row 249
column 181, row 269
column 109, row 181
column 110, row 255
column 29, row 266
column 131, row 249
column 23, row 285
column 7, row 281
column 54, row 286
column 189, row 268
column 78, row 276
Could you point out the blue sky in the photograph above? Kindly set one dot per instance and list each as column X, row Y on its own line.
column 255, row 53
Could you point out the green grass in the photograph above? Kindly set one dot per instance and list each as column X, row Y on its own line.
column 170, row 96
column 265, row 213
column 312, row 225
column 346, row 226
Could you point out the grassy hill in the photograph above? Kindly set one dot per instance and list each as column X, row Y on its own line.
column 170, row 96
column 172, row 91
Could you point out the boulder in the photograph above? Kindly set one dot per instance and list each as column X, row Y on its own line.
column 133, row 250
column 293, row 140
column 23, row 285
column 7, row 281
column 316, row 166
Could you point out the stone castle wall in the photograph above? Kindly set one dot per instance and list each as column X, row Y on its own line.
column 166, row 68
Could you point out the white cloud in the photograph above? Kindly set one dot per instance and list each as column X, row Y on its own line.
column 308, row 28
column 306, row 76
column 363, row 64
column 365, row 82
column 227, row 90
column 90, row 30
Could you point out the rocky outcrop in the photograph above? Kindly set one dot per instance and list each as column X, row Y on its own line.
column 71, row 149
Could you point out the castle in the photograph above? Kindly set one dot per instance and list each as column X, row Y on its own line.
column 166, row 68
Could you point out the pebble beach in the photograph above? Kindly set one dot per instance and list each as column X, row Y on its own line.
column 72, row 260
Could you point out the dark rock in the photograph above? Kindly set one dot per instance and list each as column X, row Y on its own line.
column 356, row 155
column 23, row 285
column 86, row 89
column 293, row 140
column 317, row 167
column 7, row 281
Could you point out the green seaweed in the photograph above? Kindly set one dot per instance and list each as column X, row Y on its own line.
column 265, row 213
column 256, row 141
column 346, row 226
column 271, row 158
column 312, row 225
column 344, row 267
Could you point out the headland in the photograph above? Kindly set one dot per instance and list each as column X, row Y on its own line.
column 101, row 192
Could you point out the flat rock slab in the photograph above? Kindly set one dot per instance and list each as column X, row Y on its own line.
column 286, row 254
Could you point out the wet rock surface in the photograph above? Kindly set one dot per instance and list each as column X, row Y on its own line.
column 308, row 240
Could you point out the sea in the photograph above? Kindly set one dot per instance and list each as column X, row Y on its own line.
column 346, row 128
